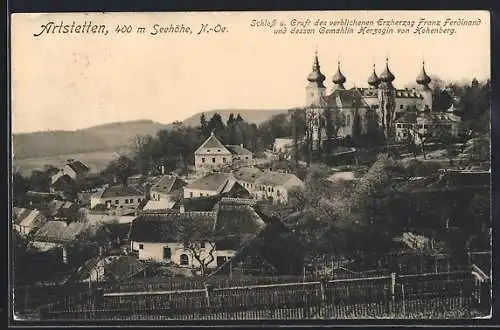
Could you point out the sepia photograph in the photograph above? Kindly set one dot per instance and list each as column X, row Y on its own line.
column 287, row 165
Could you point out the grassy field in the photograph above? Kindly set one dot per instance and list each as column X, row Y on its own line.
column 97, row 160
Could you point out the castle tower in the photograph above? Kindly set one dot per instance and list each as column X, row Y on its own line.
column 315, row 88
column 386, row 96
column 338, row 79
column 424, row 80
column 373, row 79
column 315, row 91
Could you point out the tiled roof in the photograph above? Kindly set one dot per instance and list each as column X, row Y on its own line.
column 25, row 217
column 56, row 231
column 271, row 178
column 212, row 181
column 213, row 143
column 345, row 99
column 123, row 267
column 231, row 226
column 171, row 227
column 78, row 167
column 247, row 174
column 167, row 183
column 238, row 150
column 163, row 204
column 121, row 191
column 63, row 180
column 205, row 203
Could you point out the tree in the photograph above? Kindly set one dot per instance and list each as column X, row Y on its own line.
column 200, row 242
column 121, row 169
column 204, row 129
column 216, row 125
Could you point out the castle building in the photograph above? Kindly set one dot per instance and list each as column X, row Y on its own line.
column 350, row 113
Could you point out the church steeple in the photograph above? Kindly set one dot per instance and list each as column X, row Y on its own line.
column 373, row 79
column 315, row 90
column 339, row 79
column 423, row 79
column 316, row 77
column 387, row 76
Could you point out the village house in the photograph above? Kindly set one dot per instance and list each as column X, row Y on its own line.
column 76, row 169
column 25, row 220
column 246, row 176
column 38, row 200
column 215, row 184
column 62, row 210
column 118, row 196
column 282, row 145
column 432, row 125
column 136, row 179
column 178, row 238
column 166, row 187
column 275, row 186
column 113, row 268
column 64, row 187
column 213, row 155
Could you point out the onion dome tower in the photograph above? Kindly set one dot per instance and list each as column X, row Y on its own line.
column 386, row 77
column 338, row 78
column 423, row 79
column 315, row 89
column 373, row 79
column 387, row 101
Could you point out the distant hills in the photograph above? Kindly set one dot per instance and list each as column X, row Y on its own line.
column 111, row 136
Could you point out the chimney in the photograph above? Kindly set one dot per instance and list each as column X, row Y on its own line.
column 241, row 145
column 114, row 179
column 181, row 208
column 163, row 170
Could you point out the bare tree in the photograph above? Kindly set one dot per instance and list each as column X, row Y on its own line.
column 203, row 253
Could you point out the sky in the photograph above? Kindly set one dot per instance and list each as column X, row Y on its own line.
column 74, row 81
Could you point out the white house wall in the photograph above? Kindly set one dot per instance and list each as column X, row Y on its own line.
column 154, row 251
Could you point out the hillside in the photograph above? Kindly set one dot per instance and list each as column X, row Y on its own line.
column 96, row 138
column 108, row 137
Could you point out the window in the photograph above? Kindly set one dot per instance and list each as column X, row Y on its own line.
column 208, row 150
column 138, row 200
column 223, row 159
column 420, row 126
column 108, row 202
column 191, row 194
column 184, row 259
column 201, row 194
column 401, row 106
column 141, row 246
column 117, row 201
column 221, row 261
column 246, row 157
column 203, row 160
column 218, row 150
column 167, row 253
column 126, row 201
column 202, row 245
column 213, row 160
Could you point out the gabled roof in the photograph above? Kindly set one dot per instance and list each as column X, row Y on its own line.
column 171, row 227
column 271, row 178
column 78, row 167
column 123, row 267
column 63, row 180
column 231, row 226
column 59, row 231
column 121, row 191
column 238, row 150
column 163, row 204
column 341, row 98
column 205, row 203
column 25, row 217
column 212, row 182
column 247, row 174
column 167, row 183
column 213, row 143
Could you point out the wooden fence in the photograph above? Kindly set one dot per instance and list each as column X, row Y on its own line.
column 422, row 295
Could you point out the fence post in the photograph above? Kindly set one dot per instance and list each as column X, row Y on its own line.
column 323, row 283
column 393, row 291
column 208, row 292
